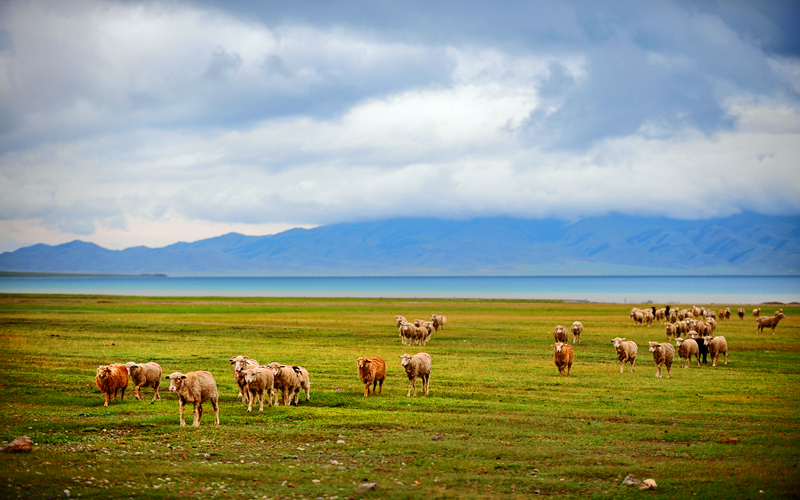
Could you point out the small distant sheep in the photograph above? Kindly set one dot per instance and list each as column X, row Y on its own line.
column 560, row 334
column 399, row 320
column 721, row 315
column 716, row 346
column 637, row 315
column 563, row 356
column 305, row 383
column 673, row 316
column 195, row 388
column 648, row 317
column 661, row 314
column 258, row 381
column 663, row 354
column 371, row 371
column 771, row 322
column 740, row 312
column 418, row 365
column 145, row 375
column 438, row 321
column 672, row 331
column 756, row 312
column 110, row 379
column 727, row 313
column 686, row 349
column 626, row 351
column 577, row 329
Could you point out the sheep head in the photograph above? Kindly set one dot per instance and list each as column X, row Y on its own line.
column 362, row 362
column 405, row 359
column 654, row 346
column 558, row 346
column 618, row 341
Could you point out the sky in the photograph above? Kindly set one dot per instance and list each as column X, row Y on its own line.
column 131, row 123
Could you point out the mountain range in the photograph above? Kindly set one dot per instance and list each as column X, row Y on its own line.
column 744, row 244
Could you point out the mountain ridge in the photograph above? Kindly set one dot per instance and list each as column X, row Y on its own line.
column 743, row 244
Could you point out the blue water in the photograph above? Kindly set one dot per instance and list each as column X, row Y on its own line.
column 635, row 289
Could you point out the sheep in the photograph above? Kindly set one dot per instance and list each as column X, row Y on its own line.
column 399, row 320
column 727, row 313
column 196, row 388
column 626, row 351
column 287, row 379
column 756, row 312
column 648, row 317
column 407, row 331
column 661, row 314
column 696, row 311
column 560, row 334
column 716, row 345
column 673, row 316
column 672, row 331
column 686, row 349
column 636, row 314
column 767, row 321
column 702, row 348
column 258, row 381
column 305, row 383
column 418, row 365
column 721, row 315
column 240, row 364
column 563, row 355
column 663, row 354
column 371, row 371
column 438, row 321
column 577, row 329
column 740, row 312
column 145, row 375
column 110, row 379
column 712, row 323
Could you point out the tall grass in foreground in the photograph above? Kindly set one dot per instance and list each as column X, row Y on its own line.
column 499, row 421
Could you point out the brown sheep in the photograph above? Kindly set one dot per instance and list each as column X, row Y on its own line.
column 637, row 315
column 258, row 381
column 672, row 331
column 771, row 322
column 686, row 349
column 716, row 345
column 740, row 312
column 560, row 334
column 287, row 379
column 727, row 313
column 756, row 312
column 399, row 320
column 663, row 354
column 110, row 379
column 438, row 321
column 195, row 388
column 371, row 371
column 563, row 356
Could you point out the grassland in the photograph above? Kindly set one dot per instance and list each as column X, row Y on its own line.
column 499, row 422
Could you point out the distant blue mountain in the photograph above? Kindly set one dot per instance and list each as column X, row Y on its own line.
column 614, row 244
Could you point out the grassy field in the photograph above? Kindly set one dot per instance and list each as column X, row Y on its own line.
column 499, row 421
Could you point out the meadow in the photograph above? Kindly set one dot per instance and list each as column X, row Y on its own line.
column 499, row 421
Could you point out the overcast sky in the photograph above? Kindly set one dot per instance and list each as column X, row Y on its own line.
column 145, row 123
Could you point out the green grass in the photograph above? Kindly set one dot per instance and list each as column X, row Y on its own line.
column 509, row 425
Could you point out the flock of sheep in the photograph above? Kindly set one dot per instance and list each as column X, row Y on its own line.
column 255, row 380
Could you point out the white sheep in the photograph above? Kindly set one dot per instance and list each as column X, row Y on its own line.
column 438, row 321
column 287, row 379
column 560, row 334
column 663, row 354
column 686, row 349
column 626, row 351
column 577, row 329
column 240, row 364
column 418, row 365
column 195, row 388
column 145, row 375
column 259, row 380
column 716, row 346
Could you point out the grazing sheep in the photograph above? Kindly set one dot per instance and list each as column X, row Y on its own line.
column 577, row 329
column 438, row 321
column 258, row 381
column 305, row 383
column 560, row 334
column 740, row 312
column 626, row 351
column 240, row 364
column 637, row 315
column 663, row 354
column 716, row 345
column 563, row 355
column 145, row 375
column 672, row 331
column 287, row 379
column 686, row 349
column 418, row 365
column 756, row 312
column 371, row 371
column 771, row 322
column 399, row 320
column 110, row 379
column 196, row 388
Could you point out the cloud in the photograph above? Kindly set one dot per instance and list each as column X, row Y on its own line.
column 119, row 116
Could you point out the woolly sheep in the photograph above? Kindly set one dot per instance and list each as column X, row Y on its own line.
column 663, row 354
column 560, row 334
column 756, row 312
column 716, row 346
column 399, row 320
column 287, row 379
column 672, row 331
column 577, row 329
column 110, row 379
column 626, row 351
column 637, row 315
column 195, row 388
column 563, row 355
column 240, row 364
column 648, row 316
column 686, row 349
column 740, row 312
column 145, row 375
column 371, row 371
column 727, row 313
column 438, row 321
column 418, row 365
column 771, row 322
column 258, row 381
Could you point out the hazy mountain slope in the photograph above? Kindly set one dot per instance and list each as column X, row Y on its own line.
column 614, row 244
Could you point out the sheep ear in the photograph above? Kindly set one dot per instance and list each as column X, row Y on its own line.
column 367, row 361
column 184, row 376
column 166, row 378
column 401, row 357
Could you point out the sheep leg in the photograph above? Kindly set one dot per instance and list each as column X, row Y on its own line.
column 427, row 383
column 412, row 385
column 669, row 371
column 108, row 398
column 181, row 403
column 633, row 362
column 250, row 404
column 215, row 405
column 569, row 368
column 122, row 396
column 366, row 390
column 380, row 386
column 374, row 386
column 622, row 366
column 261, row 401
column 308, row 392
column 658, row 371
column 137, row 393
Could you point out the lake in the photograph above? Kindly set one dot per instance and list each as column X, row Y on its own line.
column 622, row 289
